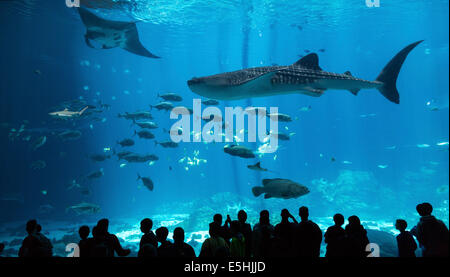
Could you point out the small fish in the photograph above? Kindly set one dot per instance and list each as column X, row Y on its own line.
column 171, row 97
column 382, row 166
column 99, row 157
column 84, row 208
column 163, row 106
column 126, row 142
column 96, row 174
column 257, row 167
column 239, row 151
column 167, row 144
column 147, row 124
column 144, row 134
column 305, row 109
column 424, row 145
column 147, row 182
column 280, row 117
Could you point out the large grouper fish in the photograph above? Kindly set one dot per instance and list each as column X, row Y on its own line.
column 304, row 77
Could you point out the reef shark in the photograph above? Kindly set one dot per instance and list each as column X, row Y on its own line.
column 111, row 34
column 304, row 77
column 68, row 114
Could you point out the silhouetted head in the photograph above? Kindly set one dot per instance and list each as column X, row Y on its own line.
column 95, row 233
column 102, row 226
column 338, row 219
column 214, row 230
column 84, row 232
column 218, row 219
column 401, row 225
column 178, row 235
column 285, row 214
column 303, row 212
column 424, row 209
column 31, row 226
column 162, row 233
column 2, row 246
column 242, row 216
column 264, row 217
column 354, row 220
column 38, row 228
column 146, row 225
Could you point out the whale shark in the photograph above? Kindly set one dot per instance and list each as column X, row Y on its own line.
column 304, row 76
column 109, row 34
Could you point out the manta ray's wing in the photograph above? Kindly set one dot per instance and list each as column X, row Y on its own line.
column 95, row 25
column 133, row 45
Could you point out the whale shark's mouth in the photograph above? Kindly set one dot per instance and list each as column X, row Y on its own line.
column 195, row 81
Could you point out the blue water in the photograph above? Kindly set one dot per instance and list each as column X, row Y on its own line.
column 388, row 157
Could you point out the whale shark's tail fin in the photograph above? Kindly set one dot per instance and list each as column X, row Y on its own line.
column 389, row 74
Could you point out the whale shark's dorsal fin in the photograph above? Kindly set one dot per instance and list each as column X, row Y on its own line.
column 310, row 61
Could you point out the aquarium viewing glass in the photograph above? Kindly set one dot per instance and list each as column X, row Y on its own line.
column 180, row 110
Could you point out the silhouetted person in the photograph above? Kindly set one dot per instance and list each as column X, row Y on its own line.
column 166, row 248
column 85, row 243
column 238, row 243
column 2, row 246
column 308, row 236
column 31, row 245
column 47, row 247
column 405, row 241
column 356, row 238
column 431, row 233
column 284, row 234
column 149, row 243
column 99, row 247
column 335, row 238
column 246, row 230
column 263, row 236
column 180, row 248
column 224, row 231
column 214, row 246
column 110, row 241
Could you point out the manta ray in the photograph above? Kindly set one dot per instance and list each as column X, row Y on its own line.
column 111, row 34
column 304, row 76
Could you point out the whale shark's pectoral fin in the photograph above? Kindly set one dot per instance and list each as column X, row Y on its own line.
column 316, row 92
column 133, row 45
